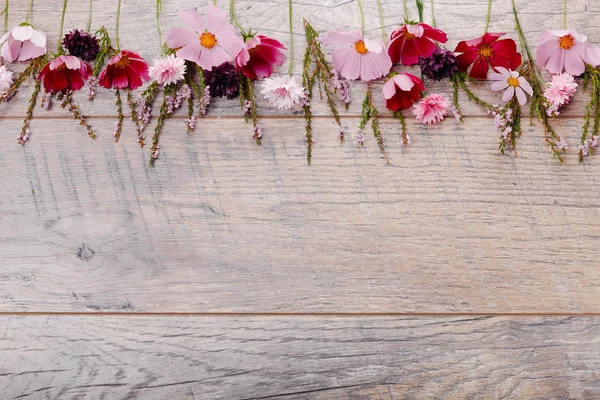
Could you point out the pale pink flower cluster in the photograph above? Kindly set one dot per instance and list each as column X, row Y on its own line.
column 174, row 101
column 341, row 86
column 284, row 92
column 257, row 132
column 191, row 123
column 168, row 70
column 589, row 145
column 46, row 101
column 431, row 109
column 92, row 85
column 561, row 144
column 360, row 137
column 560, row 91
column 205, row 101
column 503, row 119
column 143, row 113
column 6, row 79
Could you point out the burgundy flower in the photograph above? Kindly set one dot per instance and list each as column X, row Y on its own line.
column 258, row 56
column 401, row 91
column 485, row 52
column 125, row 70
column 222, row 81
column 81, row 44
column 65, row 72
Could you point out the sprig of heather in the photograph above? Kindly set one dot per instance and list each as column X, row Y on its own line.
column 370, row 113
column 592, row 112
column 248, row 105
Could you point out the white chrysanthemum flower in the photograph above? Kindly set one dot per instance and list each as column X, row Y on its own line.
column 168, row 70
column 6, row 79
column 284, row 92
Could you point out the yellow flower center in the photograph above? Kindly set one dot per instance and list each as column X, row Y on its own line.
column 485, row 51
column 566, row 42
column 123, row 62
column 360, row 47
column 208, row 40
column 408, row 36
column 512, row 81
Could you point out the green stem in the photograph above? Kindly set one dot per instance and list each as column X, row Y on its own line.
column 214, row 2
column 489, row 13
column 565, row 15
column 232, row 14
column 117, row 25
column 89, row 21
column 405, row 11
column 291, row 66
column 28, row 11
column 433, row 15
column 160, row 33
column 362, row 17
column 6, row 16
column 62, row 25
column 381, row 21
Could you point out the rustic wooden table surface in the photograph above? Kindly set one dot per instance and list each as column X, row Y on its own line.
column 233, row 271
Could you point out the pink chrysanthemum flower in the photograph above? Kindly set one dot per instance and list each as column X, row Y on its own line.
column 431, row 109
column 207, row 45
column 512, row 83
column 23, row 43
column 6, row 79
column 358, row 57
column 284, row 92
column 560, row 90
column 566, row 51
column 167, row 70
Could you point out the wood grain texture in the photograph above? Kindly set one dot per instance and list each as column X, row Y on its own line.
column 221, row 224
column 299, row 358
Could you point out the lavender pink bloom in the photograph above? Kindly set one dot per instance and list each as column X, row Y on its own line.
column 23, row 43
column 358, row 57
column 512, row 83
column 208, row 45
column 566, row 51
column 258, row 57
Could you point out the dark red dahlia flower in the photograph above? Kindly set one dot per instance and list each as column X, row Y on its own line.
column 81, row 44
column 65, row 73
column 401, row 91
column 485, row 52
column 413, row 41
column 258, row 56
column 125, row 70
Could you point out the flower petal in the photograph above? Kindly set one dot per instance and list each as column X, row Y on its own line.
column 508, row 94
column 192, row 19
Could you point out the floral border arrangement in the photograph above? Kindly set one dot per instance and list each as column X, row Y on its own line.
column 214, row 56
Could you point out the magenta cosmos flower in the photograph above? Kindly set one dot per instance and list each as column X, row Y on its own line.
column 208, row 45
column 65, row 72
column 125, row 70
column 358, row 57
column 258, row 56
column 566, row 51
column 401, row 91
column 23, row 43
column 413, row 41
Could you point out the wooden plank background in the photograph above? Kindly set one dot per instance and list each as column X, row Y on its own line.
column 231, row 270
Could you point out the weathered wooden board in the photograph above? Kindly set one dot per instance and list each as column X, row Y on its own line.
column 299, row 358
column 221, row 224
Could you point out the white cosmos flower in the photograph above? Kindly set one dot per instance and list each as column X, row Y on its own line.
column 512, row 83
column 283, row 92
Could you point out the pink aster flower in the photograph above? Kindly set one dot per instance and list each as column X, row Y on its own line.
column 23, row 43
column 283, row 92
column 208, row 45
column 560, row 90
column 358, row 57
column 167, row 70
column 258, row 57
column 566, row 51
column 431, row 109
column 512, row 83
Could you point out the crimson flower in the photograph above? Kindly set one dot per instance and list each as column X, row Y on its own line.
column 125, row 70
column 258, row 56
column 486, row 51
column 65, row 72
column 401, row 91
column 413, row 41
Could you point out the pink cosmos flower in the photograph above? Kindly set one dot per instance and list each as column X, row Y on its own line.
column 566, row 51
column 65, row 72
column 23, row 43
column 512, row 83
column 125, row 70
column 168, row 70
column 358, row 57
column 431, row 109
column 560, row 91
column 207, row 45
column 413, row 41
column 258, row 56
column 401, row 91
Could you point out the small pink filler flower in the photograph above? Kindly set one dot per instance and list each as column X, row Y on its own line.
column 560, row 91
column 431, row 109
column 358, row 57
column 566, row 51
column 512, row 83
column 207, row 45
column 167, row 70
column 23, row 43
